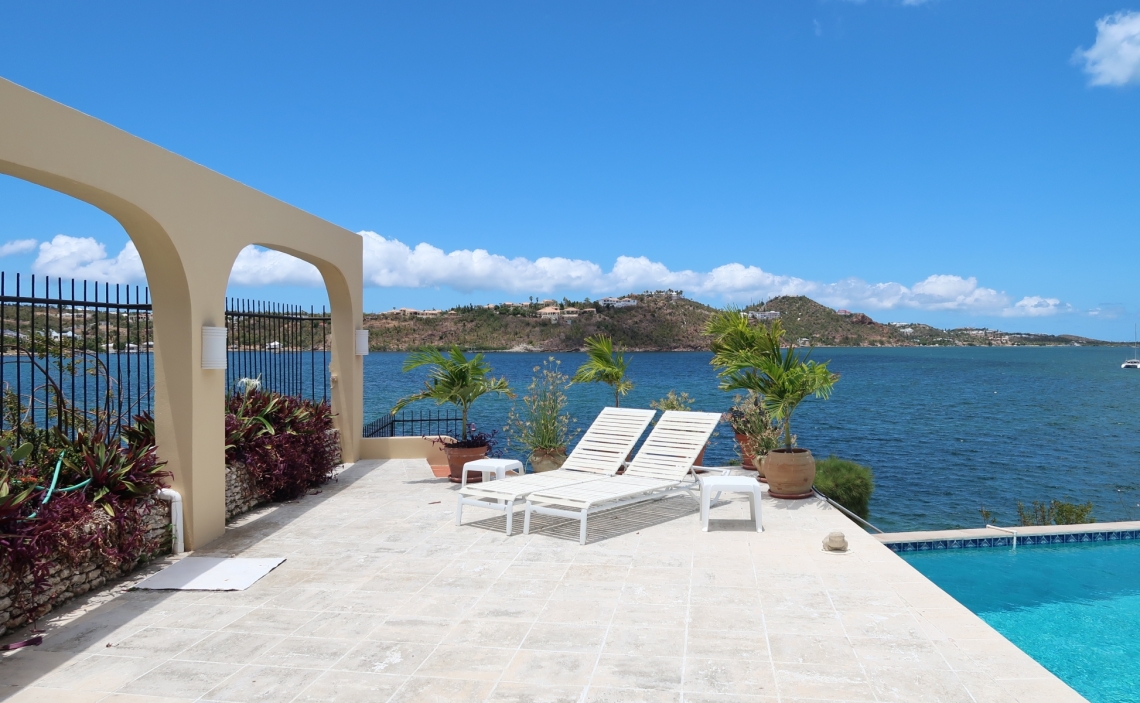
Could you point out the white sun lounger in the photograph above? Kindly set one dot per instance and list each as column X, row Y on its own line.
column 656, row 472
column 600, row 453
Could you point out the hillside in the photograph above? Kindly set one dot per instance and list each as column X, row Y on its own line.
column 656, row 323
column 664, row 323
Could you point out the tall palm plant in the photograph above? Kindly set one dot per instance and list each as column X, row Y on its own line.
column 753, row 359
column 604, row 365
column 453, row 378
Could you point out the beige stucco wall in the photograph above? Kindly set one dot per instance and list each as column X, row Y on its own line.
column 188, row 223
column 404, row 448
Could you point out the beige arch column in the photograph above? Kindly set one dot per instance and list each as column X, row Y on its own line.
column 188, row 224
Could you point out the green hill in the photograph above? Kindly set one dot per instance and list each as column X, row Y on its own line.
column 662, row 322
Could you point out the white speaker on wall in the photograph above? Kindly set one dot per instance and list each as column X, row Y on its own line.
column 362, row 342
column 213, row 347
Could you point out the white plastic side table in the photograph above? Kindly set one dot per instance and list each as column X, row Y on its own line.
column 498, row 467
column 730, row 484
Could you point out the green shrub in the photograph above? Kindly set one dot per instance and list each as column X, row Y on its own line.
column 847, row 483
column 1055, row 512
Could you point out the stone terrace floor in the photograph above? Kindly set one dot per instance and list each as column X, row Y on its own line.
column 383, row 598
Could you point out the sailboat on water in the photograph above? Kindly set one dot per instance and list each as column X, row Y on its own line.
column 1134, row 362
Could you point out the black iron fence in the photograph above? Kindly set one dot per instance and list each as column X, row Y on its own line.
column 282, row 346
column 73, row 355
column 417, row 423
column 79, row 356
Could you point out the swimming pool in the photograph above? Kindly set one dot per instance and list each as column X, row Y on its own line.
column 1073, row 608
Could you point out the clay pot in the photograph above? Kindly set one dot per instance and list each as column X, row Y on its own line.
column 701, row 457
column 742, row 440
column 790, row 473
column 760, row 464
column 458, row 456
column 547, row 459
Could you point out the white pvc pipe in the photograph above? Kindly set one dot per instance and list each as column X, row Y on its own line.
column 169, row 494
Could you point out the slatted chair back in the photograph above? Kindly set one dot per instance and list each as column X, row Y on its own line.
column 673, row 446
column 609, row 441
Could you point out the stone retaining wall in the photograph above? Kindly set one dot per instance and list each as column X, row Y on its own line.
column 66, row 582
column 241, row 493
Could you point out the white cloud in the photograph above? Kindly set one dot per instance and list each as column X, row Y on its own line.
column 83, row 257
column 17, row 246
column 265, row 267
column 1114, row 59
column 1036, row 306
column 389, row 263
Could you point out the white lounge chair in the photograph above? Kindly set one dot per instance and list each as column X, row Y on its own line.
column 658, row 471
column 600, row 453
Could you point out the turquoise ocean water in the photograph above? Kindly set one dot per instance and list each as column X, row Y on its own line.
column 1073, row 608
column 945, row 429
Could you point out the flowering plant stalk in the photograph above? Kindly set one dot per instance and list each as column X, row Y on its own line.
column 541, row 422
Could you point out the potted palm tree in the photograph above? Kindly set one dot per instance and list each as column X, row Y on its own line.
column 541, row 427
column 604, row 365
column 455, row 379
column 753, row 359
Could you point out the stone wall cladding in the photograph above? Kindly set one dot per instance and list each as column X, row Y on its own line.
column 241, row 491
column 66, row 582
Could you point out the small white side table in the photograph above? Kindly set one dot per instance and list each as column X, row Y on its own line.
column 498, row 467
column 730, row 484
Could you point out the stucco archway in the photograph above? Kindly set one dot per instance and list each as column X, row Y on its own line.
column 188, row 224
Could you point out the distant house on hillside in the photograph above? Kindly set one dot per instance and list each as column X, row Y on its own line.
column 617, row 302
column 549, row 312
column 570, row 312
column 765, row 315
column 402, row 312
column 429, row 313
column 843, row 312
column 550, row 301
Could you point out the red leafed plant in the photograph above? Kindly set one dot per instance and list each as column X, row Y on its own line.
column 288, row 444
column 62, row 505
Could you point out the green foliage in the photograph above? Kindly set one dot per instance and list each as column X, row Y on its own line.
column 542, row 422
column 673, row 401
column 1055, row 512
column 987, row 516
column 453, row 379
column 847, row 483
column 116, row 473
column 140, row 433
column 752, row 358
column 288, row 444
column 604, row 365
column 749, row 418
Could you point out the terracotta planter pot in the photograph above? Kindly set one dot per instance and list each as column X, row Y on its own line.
column 458, row 456
column 547, row 459
column 790, row 473
column 746, row 464
column 701, row 457
column 760, row 464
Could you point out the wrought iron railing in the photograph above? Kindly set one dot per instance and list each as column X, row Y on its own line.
column 417, row 423
column 282, row 345
column 76, row 355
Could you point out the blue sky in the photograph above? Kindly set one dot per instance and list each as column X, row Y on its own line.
column 953, row 162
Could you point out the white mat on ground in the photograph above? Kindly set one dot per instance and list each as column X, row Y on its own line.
column 210, row 574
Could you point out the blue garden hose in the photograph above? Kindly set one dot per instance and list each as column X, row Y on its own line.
column 54, row 479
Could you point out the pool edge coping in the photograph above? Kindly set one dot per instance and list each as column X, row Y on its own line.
column 981, row 538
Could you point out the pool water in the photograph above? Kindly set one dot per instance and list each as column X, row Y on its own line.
column 1073, row 608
